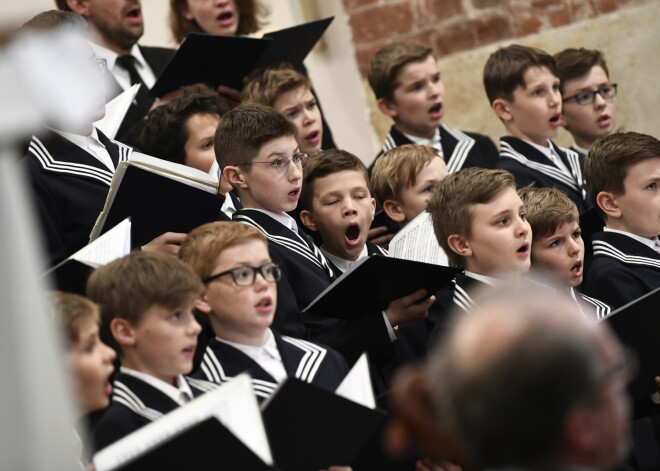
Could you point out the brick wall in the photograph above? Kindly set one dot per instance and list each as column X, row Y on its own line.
column 451, row 26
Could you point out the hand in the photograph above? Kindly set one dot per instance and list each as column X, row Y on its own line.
column 167, row 243
column 382, row 240
column 232, row 95
column 409, row 308
column 428, row 464
column 338, row 468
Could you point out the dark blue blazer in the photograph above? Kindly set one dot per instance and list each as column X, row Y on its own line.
column 530, row 166
column 622, row 269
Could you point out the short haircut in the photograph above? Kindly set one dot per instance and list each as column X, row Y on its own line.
column 266, row 85
column 546, row 369
column 397, row 169
column 129, row 286
column 575, row 63
column 63, row 20
column 326, row 163
column 547, row 209
column 71, row 311
column 245, row 129
column 164, row 132
column 611, row 156
column 454, row 198
column 388, row 61
column 251, row 14
column 204, row 244
column 505, row 69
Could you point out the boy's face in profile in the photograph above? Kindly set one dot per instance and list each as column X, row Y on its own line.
column 90, row 362
column 637, row 210
column 241, row 314
column 417, row 105
column 593, row 120
column 342, row 211
column 300, row 107
column 414, row 198
column 535, row 112
column 268, row 182
column 163, row 342
column 500, row 239
column 561, row 253
column 200, row 128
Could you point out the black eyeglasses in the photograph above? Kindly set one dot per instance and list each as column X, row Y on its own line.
column 282, row 164
column 246, row 275
column 587, row 97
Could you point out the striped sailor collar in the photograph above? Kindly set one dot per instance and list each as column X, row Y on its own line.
column 173, row 392
column 643, row 240
column 434, row 141
column 341, row 263
column 625, row 249
column 284, row 219
column 489, row 280
column 256, row 352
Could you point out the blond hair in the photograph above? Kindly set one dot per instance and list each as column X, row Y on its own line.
column 385, row 65
column 397, row 169
column 71, row 311
column 268, row 84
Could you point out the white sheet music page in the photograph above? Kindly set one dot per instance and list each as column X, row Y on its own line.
column 356, row 386
column 112, row 245
column 416, row 241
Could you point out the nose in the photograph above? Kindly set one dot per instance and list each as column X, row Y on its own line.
column 599, row 101
column 349, row 207
column 573, row 247
column 193, row 328
column 294, row 172
column 308, row 117
column 260, row 283
column 523, row 228
column 554, row 98
column 109, row 354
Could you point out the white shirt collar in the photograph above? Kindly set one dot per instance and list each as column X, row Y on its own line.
column 580, row 149
column 175, row 393
column 341, row 263
column 267, row 356
column 648, row 242
column 283, row 218
column 90, row 144
column 489, row 280
column 423, row 141
column 550, row 152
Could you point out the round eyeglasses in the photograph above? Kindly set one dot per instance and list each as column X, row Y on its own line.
column 587, row 97
column 281, row 165
column 246, row 275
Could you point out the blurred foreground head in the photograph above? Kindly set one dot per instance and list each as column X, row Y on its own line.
column 526, row 381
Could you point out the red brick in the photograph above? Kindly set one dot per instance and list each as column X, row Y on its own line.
column 351, row 5
column 525, row 22
column 493, row 28
column 486, row 3
column 605, row 6
column 543, row 4
column 442, row 10
column 581, row 11
column 363, row 54
column 456, row 37
column 560, row 17
column 377, row 23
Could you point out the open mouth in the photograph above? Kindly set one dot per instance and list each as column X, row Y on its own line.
column 226, row 17
column 604, row 119
column 108, row 388
column 312, row 136
column 523, row 249
column 435, row 109
column 265, row 302
column 190, row 350
column 577, row 268
column 353, row 234
column 294, row 193
column 134, row 13
column 555, row 119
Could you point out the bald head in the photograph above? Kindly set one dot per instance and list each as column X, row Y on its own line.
column 507, row 377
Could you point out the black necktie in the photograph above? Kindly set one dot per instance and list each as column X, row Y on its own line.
column 127, row 62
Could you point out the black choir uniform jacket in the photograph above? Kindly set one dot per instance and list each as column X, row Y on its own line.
column 622, row 269
column 460, row 149
column 306, row 361
column 305, row 274
column 156, row 58
column 529, row 165
column 135, row 404
column 70, row 187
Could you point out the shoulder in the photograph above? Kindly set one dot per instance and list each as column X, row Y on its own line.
column 115, row 423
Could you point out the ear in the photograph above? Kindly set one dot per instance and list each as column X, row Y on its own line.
column 307, row 218
column 608, row 204
column 203, row 305
column 235, row 177
column 501, row 109
column 460, row 245
column 387, row 108
column 79, row 6
column 185, row 11
column 581, row 430
column 393, row 211
column 562, row 121
column 123, row 332
column 373, row 208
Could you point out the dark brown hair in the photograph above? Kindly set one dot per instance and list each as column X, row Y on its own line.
column 575, row 63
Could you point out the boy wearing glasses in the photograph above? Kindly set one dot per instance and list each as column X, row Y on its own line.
column 522, row 85
column 589, row 99
column 256, row 148
column 239, row 300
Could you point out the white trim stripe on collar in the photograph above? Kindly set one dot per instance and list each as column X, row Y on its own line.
column 603, row 248
column 123, row 395
column 463, row 147
column 311, row 361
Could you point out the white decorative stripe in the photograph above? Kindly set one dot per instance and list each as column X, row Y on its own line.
column 314, row 356
column 123, row 395
column 216, row 374
column 462, row 299
column 461, row 151
column 389, row 143
column 602, row 309
column 603, row 248
column 550, row 170
column 382, row 251
column 200, row 384
column 49, row 163
column 300, row 248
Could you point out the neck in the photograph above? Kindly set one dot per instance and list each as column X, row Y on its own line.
column 583, row 142
column 254, row 339
column 343, row 256
column 416, row 133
